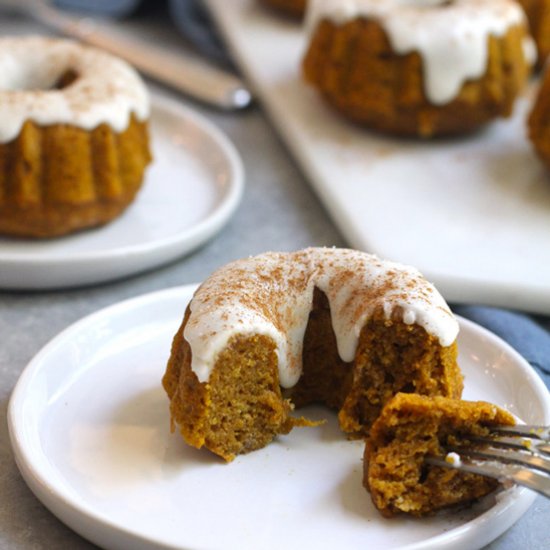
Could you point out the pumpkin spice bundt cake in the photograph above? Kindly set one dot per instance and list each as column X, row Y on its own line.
column 418, row 67
column 539, row 121
column 73, row 136
column 412, row 427
column 268, row 333
column 538, row 15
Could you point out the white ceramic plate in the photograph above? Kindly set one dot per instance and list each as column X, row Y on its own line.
column 472, row 214
column 90, row 431
column 190, row 190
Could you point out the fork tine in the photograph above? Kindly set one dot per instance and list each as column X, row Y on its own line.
column 517, row 457
column 535, row 432
column 521, row 443
column 505, row 456
column 512, row 472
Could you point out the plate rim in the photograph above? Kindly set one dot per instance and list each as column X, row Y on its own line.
column 176, row 245
column 79, row 516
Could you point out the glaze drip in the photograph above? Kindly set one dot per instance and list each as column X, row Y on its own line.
column 272, row 295
column 451, row 36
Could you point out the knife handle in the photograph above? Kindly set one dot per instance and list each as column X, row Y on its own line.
column 201, row 81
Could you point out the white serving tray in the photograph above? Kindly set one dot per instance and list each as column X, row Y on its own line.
column 472, row 214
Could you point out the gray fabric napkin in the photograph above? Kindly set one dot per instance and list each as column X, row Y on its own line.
column 521, row 331
column 193, row 21
column 107, row 8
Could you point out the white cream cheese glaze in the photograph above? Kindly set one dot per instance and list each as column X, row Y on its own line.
column 451, row 36
column 272, row 295
column 107, row 89
column 453, row 459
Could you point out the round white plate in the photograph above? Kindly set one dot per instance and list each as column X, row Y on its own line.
column 190, row 190
column 89, row 426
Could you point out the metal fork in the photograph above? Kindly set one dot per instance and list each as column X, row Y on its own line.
column 520, row 454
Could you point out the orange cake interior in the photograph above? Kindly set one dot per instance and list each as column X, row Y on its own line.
column 409, row 429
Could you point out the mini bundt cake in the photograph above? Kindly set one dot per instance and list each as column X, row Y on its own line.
column 538, row 15
column 73, row 136
column 395, row 67
column 539, row 121
column 294, row 8
column 326, row 325
column 412, row 427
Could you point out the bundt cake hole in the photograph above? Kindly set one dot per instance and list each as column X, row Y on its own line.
column 38, row 82
column 66, row 79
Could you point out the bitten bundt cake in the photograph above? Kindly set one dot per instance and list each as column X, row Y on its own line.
column 538, row 15
column 295, row 8
column 412, row 427
column 418, row 67
column 539, row 121
column 73, row 136
column 325, row 325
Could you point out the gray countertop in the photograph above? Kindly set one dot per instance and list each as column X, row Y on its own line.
column 279, row 211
